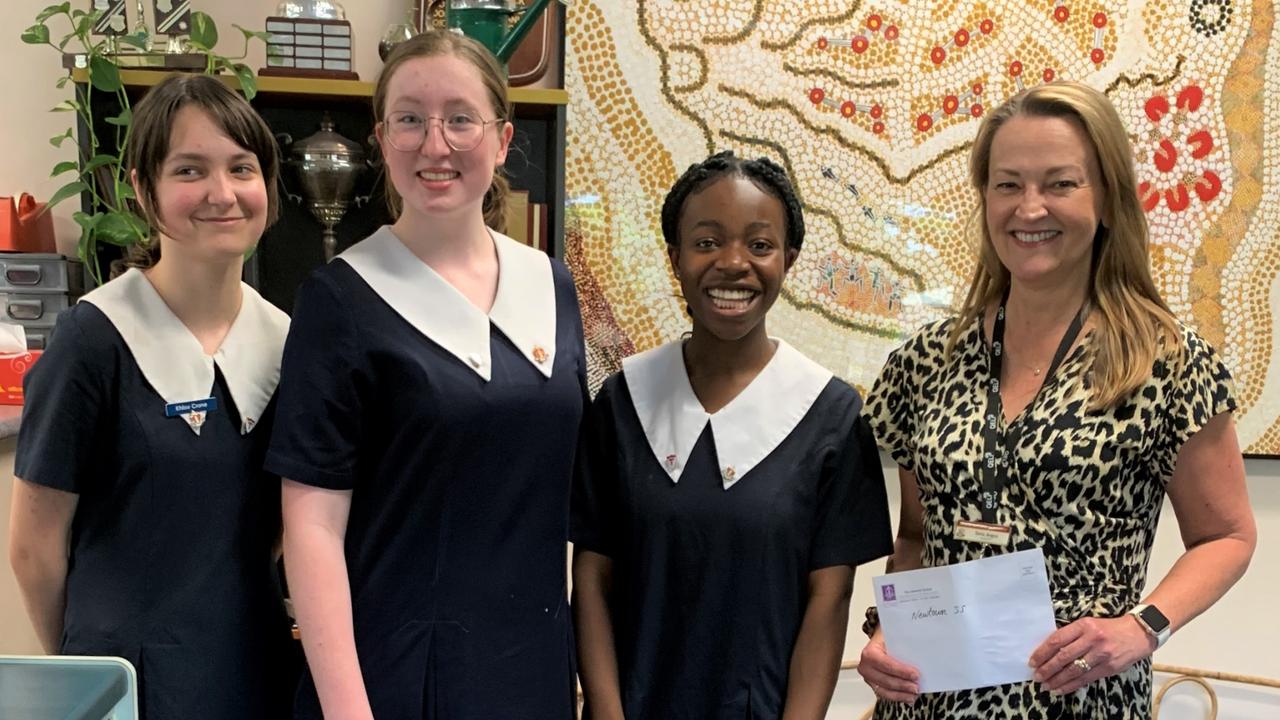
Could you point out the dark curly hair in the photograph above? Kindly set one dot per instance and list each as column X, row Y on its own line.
column 765, row 173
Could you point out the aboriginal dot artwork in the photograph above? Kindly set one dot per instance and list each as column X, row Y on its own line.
column 871, row 108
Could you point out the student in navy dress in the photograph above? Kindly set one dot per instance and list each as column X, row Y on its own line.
column 143, row 524
column 729, row 485
column 433, row 384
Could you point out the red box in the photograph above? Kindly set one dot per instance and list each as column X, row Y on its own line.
column 13, row 366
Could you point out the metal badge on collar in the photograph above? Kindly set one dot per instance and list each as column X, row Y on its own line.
column 539, row 354
column 193, row 412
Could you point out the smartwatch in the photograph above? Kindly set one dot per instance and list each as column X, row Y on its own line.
column 1154, row 622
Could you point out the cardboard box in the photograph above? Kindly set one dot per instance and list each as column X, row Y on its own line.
column 13, row 367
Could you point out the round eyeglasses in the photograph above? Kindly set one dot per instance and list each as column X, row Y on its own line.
column 406, row 131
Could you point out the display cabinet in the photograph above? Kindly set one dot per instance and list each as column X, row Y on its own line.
column 292, row 247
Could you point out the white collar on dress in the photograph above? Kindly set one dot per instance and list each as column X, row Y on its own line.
column 524, row 308
column 172, row 360
column 745, row 431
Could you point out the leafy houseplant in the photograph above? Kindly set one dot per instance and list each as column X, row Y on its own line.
column 99, row 172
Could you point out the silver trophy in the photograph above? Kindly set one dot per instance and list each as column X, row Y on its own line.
column 141, row 30
column 327, row 166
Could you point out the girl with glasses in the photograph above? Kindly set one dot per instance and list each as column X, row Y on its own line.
column 432, row 387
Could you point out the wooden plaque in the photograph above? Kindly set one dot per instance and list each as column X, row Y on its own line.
column 173, row 17
column 113, row 20
column 309, row 47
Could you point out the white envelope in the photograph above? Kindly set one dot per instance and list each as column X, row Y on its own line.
column 968, row 625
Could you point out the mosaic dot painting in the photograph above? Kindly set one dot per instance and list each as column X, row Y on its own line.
column 872, row 107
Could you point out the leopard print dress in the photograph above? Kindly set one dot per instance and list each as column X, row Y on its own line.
column 1085, row 486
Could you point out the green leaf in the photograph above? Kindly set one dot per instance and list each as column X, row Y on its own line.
column 36, row 35
column 104, row 74
column 64, row 167
column 71, row 189
column 56, row 140
column 84, row 249
column 121, row 228
column 98, row 161
column 85, row 24
column 65, row 106
column 124, row 191
column 52, row 10
column 123, row 119
column 204, row 31
column 88, row 253
column 85, row 220
column 138, row 39
column 260, row 34
column 62, row 81
column 248, row 82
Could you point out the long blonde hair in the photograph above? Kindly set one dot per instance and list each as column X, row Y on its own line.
column 1134, row 327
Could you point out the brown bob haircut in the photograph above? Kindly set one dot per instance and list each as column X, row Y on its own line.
column 152, row 126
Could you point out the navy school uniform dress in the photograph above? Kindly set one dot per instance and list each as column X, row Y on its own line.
column 714, row 522
column 172, row 564
column 455, row 432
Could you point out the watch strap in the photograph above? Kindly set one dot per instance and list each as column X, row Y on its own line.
column 1162, row 635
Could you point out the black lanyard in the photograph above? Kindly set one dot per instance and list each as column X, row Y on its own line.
column 998, row 448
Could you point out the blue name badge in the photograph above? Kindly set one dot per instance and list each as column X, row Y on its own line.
column 206, row 405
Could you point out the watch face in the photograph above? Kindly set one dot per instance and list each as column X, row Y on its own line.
column 1154, row 619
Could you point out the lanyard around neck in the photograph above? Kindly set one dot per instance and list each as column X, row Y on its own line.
column 997, row 447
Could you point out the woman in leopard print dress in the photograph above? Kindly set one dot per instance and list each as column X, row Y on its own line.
column 1067, row 370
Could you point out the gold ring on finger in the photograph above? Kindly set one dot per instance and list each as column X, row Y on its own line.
column 1083, row 664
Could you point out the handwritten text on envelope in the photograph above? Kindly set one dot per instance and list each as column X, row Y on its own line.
column 969, row 625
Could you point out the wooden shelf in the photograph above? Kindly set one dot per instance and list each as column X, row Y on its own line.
column 329, row 88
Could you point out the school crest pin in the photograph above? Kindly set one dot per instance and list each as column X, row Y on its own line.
column 192, row 412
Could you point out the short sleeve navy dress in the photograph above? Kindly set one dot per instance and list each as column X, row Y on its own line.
column 171, row 563
column 455, row 432
column 714, row 523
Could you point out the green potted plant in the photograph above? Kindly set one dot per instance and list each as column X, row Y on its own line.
column 99, row 172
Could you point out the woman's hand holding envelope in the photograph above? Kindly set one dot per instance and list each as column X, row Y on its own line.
column 1087, row 650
